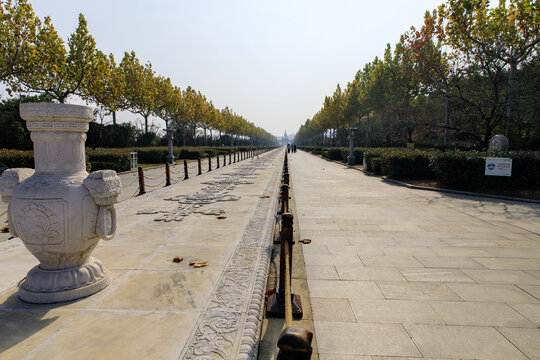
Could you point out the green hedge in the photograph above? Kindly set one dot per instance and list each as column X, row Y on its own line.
column 466, row 170
column 406, row 164
column 25, row 159
column 457, row 169
column 17, row 158
column 367, row 159
column 114, row 159
column 335, row 154
column 191, row 153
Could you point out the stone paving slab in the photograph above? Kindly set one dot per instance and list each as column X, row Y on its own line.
column 155, row 308
column 396, row 273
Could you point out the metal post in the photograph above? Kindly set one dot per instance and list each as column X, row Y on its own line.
column 142, row 190
column 186, row 175
column 167, row 174
column 209, row 163
column 217, row 159
column 276, row 301
column 230, row 156
column 199, row 163
column 224, row 159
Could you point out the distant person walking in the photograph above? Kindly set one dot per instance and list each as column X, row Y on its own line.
column 288, row 148
column 294, row 148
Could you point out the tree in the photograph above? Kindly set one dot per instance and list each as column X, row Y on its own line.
column 19, row 29
column 497, row 40
column 141, row 86
column 436, row 68
column 404, row 91
column 62, row 73
column 108, row 86
column 13, row 131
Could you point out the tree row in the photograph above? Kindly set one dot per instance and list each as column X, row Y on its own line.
column 35, row 59
column 471, row 71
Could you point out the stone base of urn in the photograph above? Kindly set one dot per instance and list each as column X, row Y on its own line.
column 52, row 286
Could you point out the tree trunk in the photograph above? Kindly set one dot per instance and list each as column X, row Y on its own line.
column 114, row 117
column 146, row 124
column 381, row 135
column 487, row 134
column 446, row 113
column 184, row 135
column 367, row 131
column 511, row 90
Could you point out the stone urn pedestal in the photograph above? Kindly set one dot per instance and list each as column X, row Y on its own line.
column 60, row 211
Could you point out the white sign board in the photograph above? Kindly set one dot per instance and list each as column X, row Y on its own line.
column 498, row 166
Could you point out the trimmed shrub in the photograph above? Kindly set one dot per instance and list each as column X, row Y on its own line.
column 466, row 170
column 105, row 165
column 324, row 152
column 191, row 153
column 375, row 165
column 114, row 159
column 210, row 152
column 403, row 164
column 17, row 158
column 335, row 154
column 152, row 155
column 369, row 154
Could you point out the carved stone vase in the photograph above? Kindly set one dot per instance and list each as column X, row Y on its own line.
column 60, row 211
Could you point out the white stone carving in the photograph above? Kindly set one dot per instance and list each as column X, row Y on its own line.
column 10, row 179
column 499, row 143
column 60, row 212
column 229, row 327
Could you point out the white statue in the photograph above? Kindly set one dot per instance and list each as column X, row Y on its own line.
column 499, row 143
column 59, row 211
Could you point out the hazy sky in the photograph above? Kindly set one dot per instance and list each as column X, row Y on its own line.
column 272, row 62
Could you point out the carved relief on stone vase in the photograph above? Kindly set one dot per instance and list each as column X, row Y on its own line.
column 60, row 211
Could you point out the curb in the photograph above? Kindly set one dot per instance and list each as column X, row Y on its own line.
column 460, row 192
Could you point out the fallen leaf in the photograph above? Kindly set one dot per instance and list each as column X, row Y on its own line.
column 264, row 196
column 305, row 241
column 199, row 265
column 5, row 229
column 221, row 217
column 195, row 262
column 178, row 259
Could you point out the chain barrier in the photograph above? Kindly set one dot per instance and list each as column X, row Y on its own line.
column 175, row 181
column 4, row 213
column 135, row 193
column 131, row 183
column 150, row 178
column 175, row 172
column 161, row 183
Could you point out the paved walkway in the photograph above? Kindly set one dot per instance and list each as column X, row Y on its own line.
column 394, row 272
column 155, row 308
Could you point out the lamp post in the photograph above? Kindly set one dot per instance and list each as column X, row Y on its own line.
column 170, row 156
column 351, row 158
